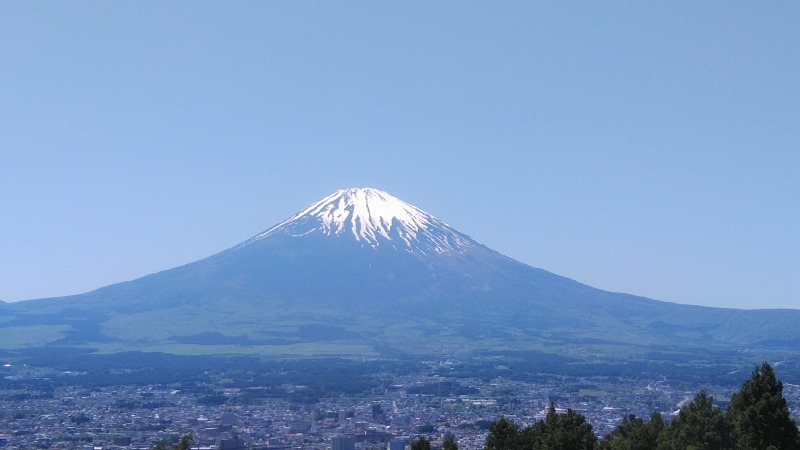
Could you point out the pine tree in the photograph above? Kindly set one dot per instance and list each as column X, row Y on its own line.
column 634, row 434
column 503, row 435
column 700, row 425
column 568, row 431
column 759, row 414
column 421, row 444
column 450, row 443
column 185, row 443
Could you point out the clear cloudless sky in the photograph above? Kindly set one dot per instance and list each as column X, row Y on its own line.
column 643, row 147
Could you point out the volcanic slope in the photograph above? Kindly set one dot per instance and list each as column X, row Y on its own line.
column 362, row 273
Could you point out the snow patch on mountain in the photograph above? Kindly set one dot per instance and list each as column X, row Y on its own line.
column 373, row 217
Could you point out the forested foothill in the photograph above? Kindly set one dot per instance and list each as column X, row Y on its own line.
column 756, row 418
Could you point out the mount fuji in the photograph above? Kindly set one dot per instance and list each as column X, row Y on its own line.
column 373, row 217
column 361, row 273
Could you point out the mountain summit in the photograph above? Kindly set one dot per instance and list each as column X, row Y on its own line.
column 374, row 218
column 362, row 273
column 364, row 248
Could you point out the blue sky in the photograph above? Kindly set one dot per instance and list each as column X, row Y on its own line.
column 641, row 147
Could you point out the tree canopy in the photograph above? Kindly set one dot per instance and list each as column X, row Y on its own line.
column 634, row 434
column 421, row 444
column 757, row 419
column 700, row 425
column 559, row 431
column 450, row 443
column 759, row 414
column 184, row 443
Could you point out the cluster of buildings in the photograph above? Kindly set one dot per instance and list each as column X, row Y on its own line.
column 137, row 417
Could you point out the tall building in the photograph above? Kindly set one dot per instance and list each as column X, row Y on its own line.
column 343, row 442
column 231, row 444
column 378, row 416
column 397, row 444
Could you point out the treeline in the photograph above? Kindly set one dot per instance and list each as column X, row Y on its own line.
column 756, row 418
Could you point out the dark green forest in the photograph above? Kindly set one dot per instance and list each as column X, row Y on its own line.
column 757, row 418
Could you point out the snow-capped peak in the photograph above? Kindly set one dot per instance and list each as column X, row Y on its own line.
column 373, row 217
